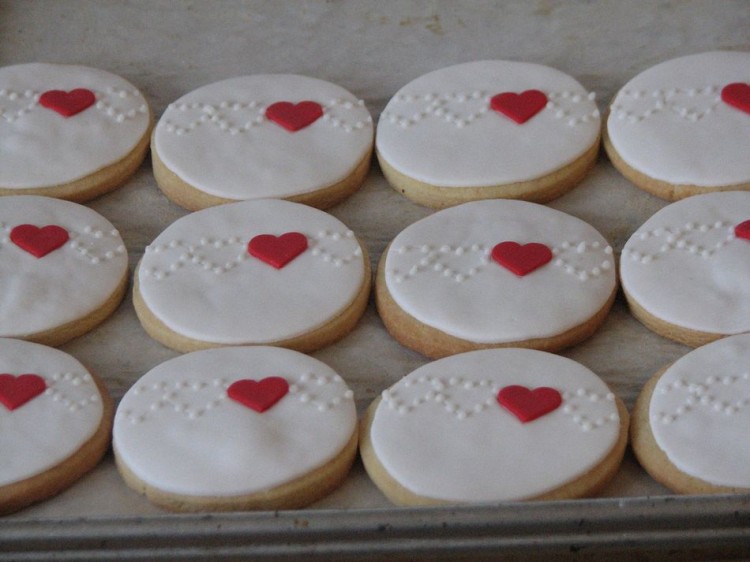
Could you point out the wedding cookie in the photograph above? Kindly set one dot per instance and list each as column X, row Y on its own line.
column 255, row 272
column 494, row 425
column 495, row 274
column 689, row 428
column 64, row 269
column 236, row 428
column 488, row 129
column 272, row 135
column 55, row 422
column 69, row 131
column 682, row 127
column 685, row 270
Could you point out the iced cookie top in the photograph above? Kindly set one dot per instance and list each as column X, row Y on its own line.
column 233, row 421
column 487, row 123
column 500, row 271
column 271, row 135
column 687, row 120
column 689, row 263
column 59, row 261
column 81, row 119
column 49, row 407
column 699, row 412
column 494, row 425
column 251, row 272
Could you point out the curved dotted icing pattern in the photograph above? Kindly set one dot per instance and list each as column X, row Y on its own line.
column 49, row 428
column 457, row 288
column 181, row 396
column 670, row 124
column 197, row 254
column 441, row 433
column 83, row 243
column 686, row 266
column 563, row 105
column 452, row 395
column 438, row 259
column 116, row 104
column 241, row 117
column 699, row 412
column 176, row 429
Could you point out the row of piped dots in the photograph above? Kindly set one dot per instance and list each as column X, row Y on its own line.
column 662, row 102
column 674, row 241
column 698, row 396
column 582, row 248
column 31, row 98
column 74, row 379
column 582, row 420
column 432, row 255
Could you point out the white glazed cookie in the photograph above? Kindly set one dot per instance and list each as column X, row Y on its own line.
column 55, row 421
column 494, row 425
column 690, row 422
column 685, row 270
column 69, row 131
column 253, row 272
column 495, row 273
column 682, row 127
column 236, row 428
column 273, row 135
column 63, row 269
column 488, row 129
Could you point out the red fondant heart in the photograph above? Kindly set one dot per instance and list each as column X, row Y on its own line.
column 16, row 391
column 742, row 230
column 258, row 395
column 737, row 95
column 67, row 104
column 39, row 241
column 519, row 107
column 521, row 259
column 277, row 250
column 528, row 405
column 294, row 117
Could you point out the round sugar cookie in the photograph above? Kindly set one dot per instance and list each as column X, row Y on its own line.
column 236, row 428
column 496, row 273
column 682, row 127
column 494, row 425
column 488, row 129
column 685, row 270
column 689, row 427
column 69, row 131
column 272, row 135
column 64, row 269
column 254, row 272
column 55, row 422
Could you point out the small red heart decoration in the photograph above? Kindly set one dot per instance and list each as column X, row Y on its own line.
column 69, row 103
column 294, row 117
column 521, row 259
column 742, row 230
column 737, row 95
column 258, row 395
column 519, row 107
column 39, row 241
column 16, row 391
column 277, row 250
column 526, row 404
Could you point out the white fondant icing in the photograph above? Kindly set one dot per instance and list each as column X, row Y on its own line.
column 32, row 136
column 441, row 433
column 50, row 427
column 685, row 266
column 198, row 278
column 176, row 430
column 218, row 140
column 439, row 271
column 38, row 294
column 669, row 121
column 700, row 411
column 440, row 129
